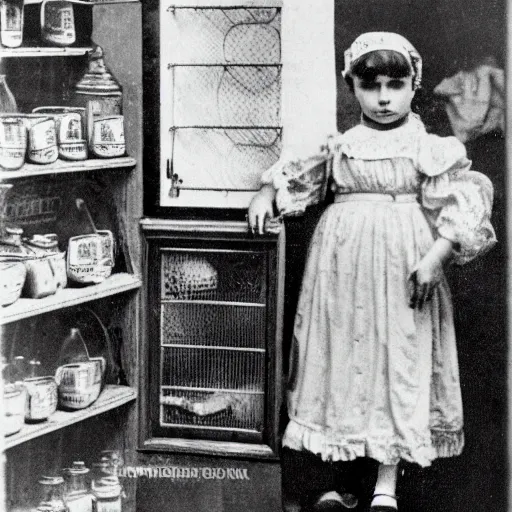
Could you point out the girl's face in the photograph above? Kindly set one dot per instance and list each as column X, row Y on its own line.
column 385, row 99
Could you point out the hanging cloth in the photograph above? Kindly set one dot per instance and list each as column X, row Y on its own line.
column 475, row 101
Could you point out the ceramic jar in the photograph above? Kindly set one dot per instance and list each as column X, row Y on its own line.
column 80, row 384
column 46, row 247
column 13, row 408
column 12, row 279
column 98, row 89
column 41, row 398
column 69, row 125
column 13, row 142
column 90, row 258
column 107, row 139
column 57, row 22
column 12, row 269
column 11, row 23
column 42, row 139
column 40, row 281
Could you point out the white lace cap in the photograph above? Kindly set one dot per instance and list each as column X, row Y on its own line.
column 374, row 41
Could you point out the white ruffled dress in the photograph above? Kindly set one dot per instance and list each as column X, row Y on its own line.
column 369, row 376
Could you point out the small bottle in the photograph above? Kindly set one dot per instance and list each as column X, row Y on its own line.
column 77, row 495
column 6, row 371
column 52, row 488
column 7, row 101
column 34, row 368
column 73, row 348
column 19, row 369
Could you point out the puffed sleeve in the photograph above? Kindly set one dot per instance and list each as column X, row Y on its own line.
column 300, row 183
column 458, row 202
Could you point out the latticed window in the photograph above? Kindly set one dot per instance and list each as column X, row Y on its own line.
column 220, row 77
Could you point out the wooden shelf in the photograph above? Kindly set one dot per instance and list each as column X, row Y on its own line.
column 44, row 51
column 62, row 167
column 25, row 308
column 110, row 398
column 90, row 2
column 222, row 4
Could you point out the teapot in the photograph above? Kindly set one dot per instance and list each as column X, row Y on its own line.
column 80, row 384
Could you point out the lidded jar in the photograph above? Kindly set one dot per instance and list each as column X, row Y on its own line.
column 98, row 87
column 106, row 488
column 52, row 494
column 107, row 494
column 78, row 497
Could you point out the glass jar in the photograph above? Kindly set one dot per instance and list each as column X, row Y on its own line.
column 107, row 494
column 7, row 100
column 52, row 494
column 78, row 497
column 114, row 460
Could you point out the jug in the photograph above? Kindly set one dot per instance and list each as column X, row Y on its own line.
column 79, row 384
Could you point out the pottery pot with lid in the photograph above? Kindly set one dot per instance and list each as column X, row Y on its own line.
column 98, row 87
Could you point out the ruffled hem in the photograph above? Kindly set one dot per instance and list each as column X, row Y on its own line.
column 447, row 443
column 346, row 448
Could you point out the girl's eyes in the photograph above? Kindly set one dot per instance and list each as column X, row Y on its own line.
column 369, row 86
column 396, row 84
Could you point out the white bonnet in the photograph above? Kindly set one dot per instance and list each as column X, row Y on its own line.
column 374, row 41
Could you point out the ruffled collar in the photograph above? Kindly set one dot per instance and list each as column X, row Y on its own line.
column 432, row 155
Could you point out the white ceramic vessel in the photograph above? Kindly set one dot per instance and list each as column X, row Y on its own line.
column 41, row 398
column 80, row 384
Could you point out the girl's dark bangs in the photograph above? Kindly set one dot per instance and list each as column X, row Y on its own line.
column 381, row 62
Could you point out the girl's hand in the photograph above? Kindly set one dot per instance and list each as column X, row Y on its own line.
column 428, row 273
column 261, row 208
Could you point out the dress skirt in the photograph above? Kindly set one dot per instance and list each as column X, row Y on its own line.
column 369, row 376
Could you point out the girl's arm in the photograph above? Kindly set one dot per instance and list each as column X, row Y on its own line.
column 429, row 271
column 261, row 208
column 292, row 185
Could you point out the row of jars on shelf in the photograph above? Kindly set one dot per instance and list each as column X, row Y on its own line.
column 94, row 125
column 78, row 489
column 35, row 267
column 57, row 23
column 30, row 396
column 50, row 133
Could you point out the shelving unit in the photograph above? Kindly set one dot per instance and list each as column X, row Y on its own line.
column 110, row 398
column 25, row 308
column 44, row 448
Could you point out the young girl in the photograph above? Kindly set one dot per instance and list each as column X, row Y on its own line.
column 374, row 369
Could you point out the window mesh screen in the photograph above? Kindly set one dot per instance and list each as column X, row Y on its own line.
column 213, row 340
column 213, row 325
column 215, row 36
column 224, row 158
column 221, row 76
column 227, row 96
